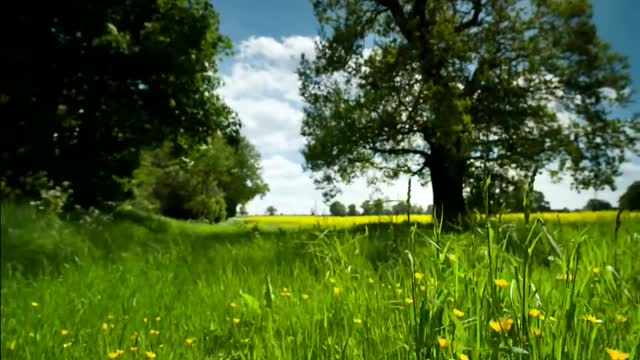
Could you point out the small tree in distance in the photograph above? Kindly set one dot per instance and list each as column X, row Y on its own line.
column 352, row 210
column 271, row 211
column 597, row 205
column 367, row 208
column 337, row 209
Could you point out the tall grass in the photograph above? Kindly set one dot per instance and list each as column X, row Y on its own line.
column 384, row 291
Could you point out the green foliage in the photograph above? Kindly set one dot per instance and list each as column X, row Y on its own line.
column 352, row 210
column 337, row 209
column 630, row 200
column 271, row 210
column 597, row 205
column 454, row 92
column 399, row 208
column 208, row 183
column 367, row 208
column 86, row 86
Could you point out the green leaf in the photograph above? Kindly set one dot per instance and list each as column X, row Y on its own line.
column 253, row 305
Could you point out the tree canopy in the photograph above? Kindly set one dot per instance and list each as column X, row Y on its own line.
column 271, row 210
column 86, row 86
column 337, row 209
column 209, row 182
column 456, row 91
column 597, row 205
column 630, row 200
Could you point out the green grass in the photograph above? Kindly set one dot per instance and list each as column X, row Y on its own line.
column 118, row 273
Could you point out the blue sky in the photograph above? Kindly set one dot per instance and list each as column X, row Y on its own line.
column 260, row 85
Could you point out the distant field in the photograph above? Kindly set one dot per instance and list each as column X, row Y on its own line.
column 145, row 287
column 348, row 221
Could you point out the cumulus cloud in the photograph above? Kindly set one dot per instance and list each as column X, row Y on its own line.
column 262, row 87
column 284, row 53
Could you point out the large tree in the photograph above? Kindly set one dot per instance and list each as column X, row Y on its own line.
column 456, row 90
column 87, row 85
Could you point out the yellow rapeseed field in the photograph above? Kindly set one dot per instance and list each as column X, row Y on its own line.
column 348, row 221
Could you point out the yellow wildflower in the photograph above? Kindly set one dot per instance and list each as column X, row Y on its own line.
column 64, row 332
column 423, row 288
column 443, row 343
column 134, row 349
column 408, row 301
column 150, row 355
column 110, row 317
column 337, row 291
column 501, row 283
column 534, row 313
column 332, row 280
column 154, row 332
column 565, row 277
column 502, row 326
column 592, row 319
column 145, row 320
column 357, row 321
column 457, row 313
column 233, row 306
column 596, row 271
column 371, row 281
column 419, row 276
column 116, row 354
column 34, row 304
column 158, row 319
column 616, row 355
column 537, row 332
column 105, row 327
column 189, row 341
column 236, row 321
column 621, row 319
column 285, row 292
column 463, row 357
column 305, row 297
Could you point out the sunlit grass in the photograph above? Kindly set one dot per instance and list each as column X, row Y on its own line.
column 381, row 292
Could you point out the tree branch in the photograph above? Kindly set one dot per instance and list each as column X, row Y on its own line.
column 475, row 17
column 402, row 151
column 418, row 10
column 425, row 165
column 399, row 17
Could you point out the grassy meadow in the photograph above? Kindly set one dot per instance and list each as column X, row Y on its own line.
column 141, row 287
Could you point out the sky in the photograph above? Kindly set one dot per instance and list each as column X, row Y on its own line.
column 260, row 84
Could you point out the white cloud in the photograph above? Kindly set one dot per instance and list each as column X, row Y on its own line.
column 262, row 88
column 285, row 53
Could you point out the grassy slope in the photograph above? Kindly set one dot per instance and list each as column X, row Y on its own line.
column 183, row 277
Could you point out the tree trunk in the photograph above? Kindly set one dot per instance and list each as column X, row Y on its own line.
column 232, row 208
column 447, row 178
